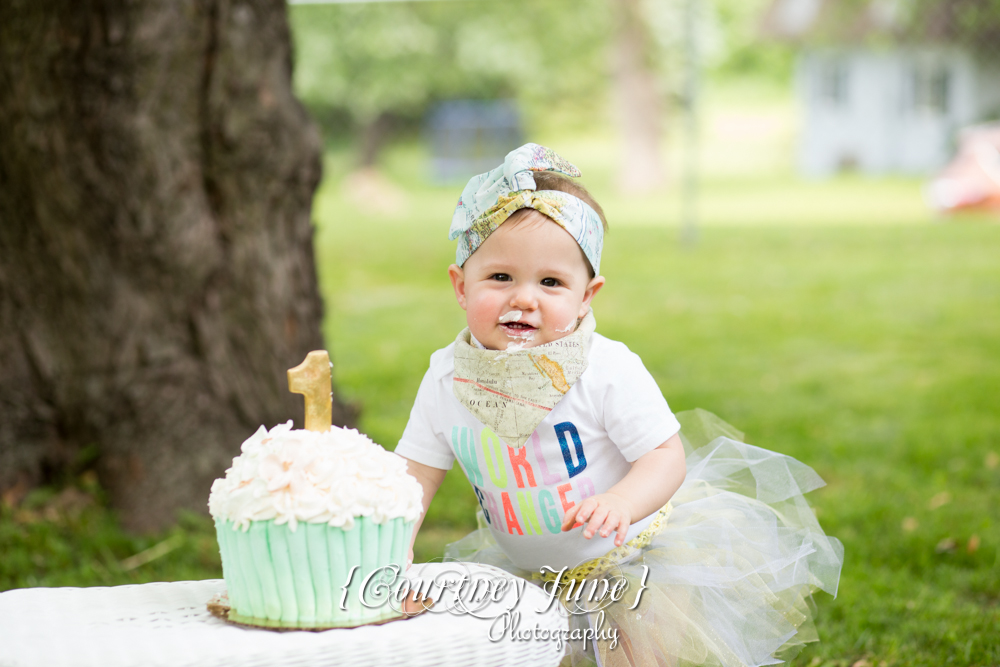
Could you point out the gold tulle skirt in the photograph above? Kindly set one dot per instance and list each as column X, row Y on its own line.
column 728, row 577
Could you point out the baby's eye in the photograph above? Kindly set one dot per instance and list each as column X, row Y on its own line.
column 502, row 277
column 550, row 282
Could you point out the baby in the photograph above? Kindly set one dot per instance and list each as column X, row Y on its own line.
column 606, row 459
column 573, row 452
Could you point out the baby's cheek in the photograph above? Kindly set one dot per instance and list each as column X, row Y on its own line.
column 480, row 308
column 567, row 317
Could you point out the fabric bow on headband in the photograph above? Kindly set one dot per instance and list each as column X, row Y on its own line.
column 489, row 199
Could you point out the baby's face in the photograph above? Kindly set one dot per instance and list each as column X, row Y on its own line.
column 526, row 285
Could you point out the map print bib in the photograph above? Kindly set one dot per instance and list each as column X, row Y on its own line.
column 512, row 391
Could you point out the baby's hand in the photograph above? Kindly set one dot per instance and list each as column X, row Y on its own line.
column 605, row 512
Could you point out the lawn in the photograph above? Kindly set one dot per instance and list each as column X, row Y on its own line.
column 833, row 321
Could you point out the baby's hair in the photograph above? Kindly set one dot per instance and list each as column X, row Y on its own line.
column 549, row 180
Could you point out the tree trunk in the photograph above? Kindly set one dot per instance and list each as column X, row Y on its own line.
column 156, row 261
column 638, row 100
column 373, row 136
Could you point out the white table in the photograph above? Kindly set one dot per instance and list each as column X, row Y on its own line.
column 168, row 624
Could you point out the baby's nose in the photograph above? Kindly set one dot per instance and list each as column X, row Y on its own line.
column 524, row 298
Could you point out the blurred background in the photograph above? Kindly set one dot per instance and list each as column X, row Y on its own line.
column 803, row 199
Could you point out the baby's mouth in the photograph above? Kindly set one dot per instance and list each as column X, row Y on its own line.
column 518, row 329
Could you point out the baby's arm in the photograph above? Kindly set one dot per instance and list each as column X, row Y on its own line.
column 430, row 479
column 654, row 478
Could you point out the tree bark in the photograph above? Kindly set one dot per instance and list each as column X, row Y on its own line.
column 156, row 261
column 638, row 100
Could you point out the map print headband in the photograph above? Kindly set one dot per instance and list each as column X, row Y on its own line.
column 489, row 199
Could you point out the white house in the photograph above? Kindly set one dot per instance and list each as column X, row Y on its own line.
column 874, row 103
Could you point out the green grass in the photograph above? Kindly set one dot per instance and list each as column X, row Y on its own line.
column 833, row 321
column 70, row 538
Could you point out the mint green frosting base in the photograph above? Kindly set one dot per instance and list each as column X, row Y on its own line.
column 297, row 577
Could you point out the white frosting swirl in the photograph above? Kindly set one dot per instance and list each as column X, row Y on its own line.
column 329, row 477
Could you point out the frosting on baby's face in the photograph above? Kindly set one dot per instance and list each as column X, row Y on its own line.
column 528, row 284
column 317, row 477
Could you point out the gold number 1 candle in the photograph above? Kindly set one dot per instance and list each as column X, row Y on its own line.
column 311, row 378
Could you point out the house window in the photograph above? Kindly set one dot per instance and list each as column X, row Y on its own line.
column 833, row 83
column 931, row 85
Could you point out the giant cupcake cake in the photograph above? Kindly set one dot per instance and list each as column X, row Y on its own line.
column 297, row 511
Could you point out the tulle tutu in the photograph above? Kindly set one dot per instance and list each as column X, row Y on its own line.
column 730, row 575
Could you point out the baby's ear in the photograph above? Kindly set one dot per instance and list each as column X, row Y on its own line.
column 593, row 287
column 457, row 275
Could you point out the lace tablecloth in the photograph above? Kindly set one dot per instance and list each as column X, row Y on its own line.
column 168, row 624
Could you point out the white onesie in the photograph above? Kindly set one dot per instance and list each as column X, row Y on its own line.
column 610, row 417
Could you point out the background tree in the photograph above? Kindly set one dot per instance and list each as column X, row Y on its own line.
column 639, row 99
column 156, row 261
column 366, row 66
column 972, row 23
